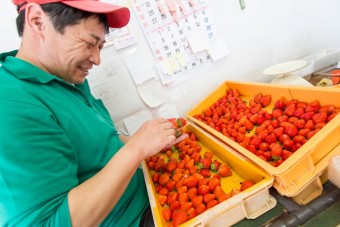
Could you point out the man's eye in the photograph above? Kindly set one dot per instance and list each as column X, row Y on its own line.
column 90, row 44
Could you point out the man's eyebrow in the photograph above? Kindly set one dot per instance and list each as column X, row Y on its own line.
column 96, row 37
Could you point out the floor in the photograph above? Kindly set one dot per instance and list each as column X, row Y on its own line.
column 323, row 211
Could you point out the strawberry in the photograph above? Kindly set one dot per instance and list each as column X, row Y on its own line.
column 307, row 115
column 170, row 185
column 265, row 100
column 205, row 173
column 163, row 179
column 166, row 212
column 197, row 200
column 213, row 182
column 329, row 109
column 246, row 184
column 203, row 189
column 286, row 154
column 280, row 103
column 298, row 112
column 310, row 125
column 270, row 138
column 276, row 152
column 264, row 146
column 253, row 118
column 289, row 111
column 155, row 177
column 208, row 197
column 277, row 113
column 179, row 217
column 200, row 208
column 191, row 212
column 320, row 117
column 335, row 79
column 212, row 203
column 192, row 192
column 290, row 129
column 331, row 116
column 205, row 163
column 171, row 165
column 313, row 106
column 224, row 170
column 299, row 139
column 278, row 131
column 300, row 123
column 288, row 144
column 258, row 97
column 186, row 206
column 215, row 165
column 191, row 181
column 162, row 199
column 208, row 155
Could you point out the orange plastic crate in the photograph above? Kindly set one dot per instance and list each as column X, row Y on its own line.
column 298, row 170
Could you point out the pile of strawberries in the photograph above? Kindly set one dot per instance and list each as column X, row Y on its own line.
column 187, row 180
column 273, row 135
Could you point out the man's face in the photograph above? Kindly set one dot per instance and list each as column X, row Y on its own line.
column 72, row 54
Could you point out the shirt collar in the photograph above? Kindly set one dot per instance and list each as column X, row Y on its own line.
column 25, row 70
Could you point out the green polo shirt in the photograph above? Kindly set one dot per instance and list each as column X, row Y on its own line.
column 54, row 136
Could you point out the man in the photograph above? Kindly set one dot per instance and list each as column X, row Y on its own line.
column 62, row 162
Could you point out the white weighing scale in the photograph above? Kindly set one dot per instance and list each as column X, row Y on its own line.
column 283, row 73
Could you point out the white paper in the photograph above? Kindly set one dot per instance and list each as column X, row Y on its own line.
column 198, row 41
column 151, row 93
column 218, row 49
column 168, row 111
column 107, row 83
column 138, row 70
column 134, row 122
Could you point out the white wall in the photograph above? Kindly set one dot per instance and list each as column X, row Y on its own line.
column 266, row 32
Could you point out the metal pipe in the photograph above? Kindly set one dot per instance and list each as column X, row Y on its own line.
column 301, row 214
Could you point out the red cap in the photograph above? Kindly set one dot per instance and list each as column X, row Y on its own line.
column 117, row 16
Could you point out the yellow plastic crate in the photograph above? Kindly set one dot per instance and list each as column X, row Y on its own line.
column 314, row 187
column 249, row 203
column 298, row 170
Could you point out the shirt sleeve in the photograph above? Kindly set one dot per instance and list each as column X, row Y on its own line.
column 38, row 167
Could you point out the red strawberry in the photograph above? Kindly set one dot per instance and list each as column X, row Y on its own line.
column 205, row 173
column 313, row 106
column 289, row 111
column 265, row 100
column 205, row 163
column 215, row 165
column 203, row 189
column 224, row 170
column 290, row 129
column 286, row 154
column 179, row 217
column 191, row 181
column 288, row 144
column 298, row 112
column 276, row 151
column 166, row 213
column 277, row 113
column 258, row 97
column 246, row 184
column 320, row 117
column 280, row 103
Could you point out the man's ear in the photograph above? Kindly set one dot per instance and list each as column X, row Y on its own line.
column 35, row 18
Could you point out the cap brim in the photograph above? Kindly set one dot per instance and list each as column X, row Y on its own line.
column 117, row 16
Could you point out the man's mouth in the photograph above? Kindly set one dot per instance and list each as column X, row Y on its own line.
column 84, row 69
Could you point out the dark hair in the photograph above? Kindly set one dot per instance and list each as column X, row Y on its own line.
column 61, row 16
